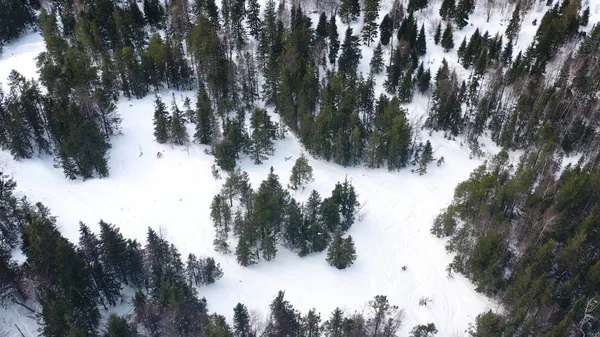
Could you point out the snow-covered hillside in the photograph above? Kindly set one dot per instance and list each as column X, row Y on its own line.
column 173, row 194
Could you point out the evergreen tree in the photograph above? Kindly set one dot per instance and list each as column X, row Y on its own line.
column 220, row 214
column 448, row 38
column 311, row 324
column 506, row 57
column 376, row 63
column 341, row 253
column 263, row 134
column 421, row 45
column 318, row 234
column 437, row 37
column 370, row 26
column 426, row 158
column 117, row 326
column 349, row 10
column 241, row 322
column 350, row 57
column 333, row 327
column 386, row 29
column 178, row 130
column 206, row 122
column 415, row 5
column 301, row 173
column 154, row 12
column 283, row 320
column 462, row 11
column 424, row 330
column 514, row 25
column 161, row 121
column 334, row 42
column 322, row 25
column 253, row 18
column 447, row 9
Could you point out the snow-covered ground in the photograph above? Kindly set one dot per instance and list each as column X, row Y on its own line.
column 175, row 191
column 173, row 194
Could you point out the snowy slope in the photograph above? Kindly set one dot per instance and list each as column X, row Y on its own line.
column 174, row 193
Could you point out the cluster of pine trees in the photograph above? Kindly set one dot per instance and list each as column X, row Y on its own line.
column 72, row 282
column 17, row 17
column 269, row 216
column 528, row 235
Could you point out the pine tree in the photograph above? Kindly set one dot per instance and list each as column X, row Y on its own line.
column 462, row 11
column 437, row 37
column 117, row 326
column 506, row 57
column 424, row 81
column 161, row 121
column 349, row 10
column 341, row 252
column 448, row 38
column 514, row 25
column 311, row 324
column 241, row 322
column 322, row 25
column 263, row 134
column 386, row 29
column 370, row 26
column 421, row 45
column 426, row 158
column 333, row 327
column 424, row 330
column 301, row 173
column 178, row 132
column 253, row 18
column 405, row 92
column 334, row 42
column 447, row 9
column 376, row 63
column 415, row 5
column 350, row 57
column 220, row 214
column 205, row 125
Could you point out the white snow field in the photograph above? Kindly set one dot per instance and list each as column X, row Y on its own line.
column 174, row 193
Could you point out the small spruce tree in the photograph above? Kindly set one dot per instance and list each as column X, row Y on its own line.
column 301, row 173
column 448, row 38
column 161, row 121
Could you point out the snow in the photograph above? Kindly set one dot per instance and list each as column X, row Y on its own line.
column 173, row 194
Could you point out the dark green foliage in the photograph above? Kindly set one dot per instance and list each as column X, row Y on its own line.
column 437, row 36
column 488, row 324
column 220, row 214
column 241, row 322
column 203, row 270
column 16, row 17
column 349, row 10
column 376, row 63
column 161, row 121
column 206, row 121
column 386, row 29
column 262, row 136
column 322, row 27
column 370, row 26
column 341, row 253
column 447, row 9
column 446, row 112
column 301, row 173
column 66, row 288
column 424, row 330
column 447, row 38
column 178, row 132
column 514, row 25
column 283, row 320
column 351, row 55
column 421, row 45
column 117, row 326
column 462, row 11
column 425, row 158
column 154, row 12
column 334, row 42
column 415, row 5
